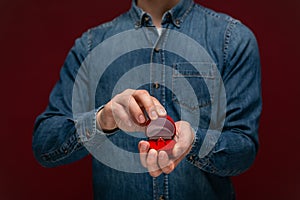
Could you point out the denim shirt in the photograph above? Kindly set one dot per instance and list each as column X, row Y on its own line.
column 199, row 55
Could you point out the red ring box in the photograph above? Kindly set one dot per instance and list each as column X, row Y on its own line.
column 160, row 133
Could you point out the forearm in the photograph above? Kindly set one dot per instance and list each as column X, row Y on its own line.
column 56, row 142
column 233, row 154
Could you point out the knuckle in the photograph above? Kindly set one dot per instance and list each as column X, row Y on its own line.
column 154, row 173
column 167, row 170
column 128, row 91
column 164, row 166
column 185, row 123
column 116, row 107
column 116, row 97
column 143, row 92
column 130, row 100
column 156, row 102
column 188, row 124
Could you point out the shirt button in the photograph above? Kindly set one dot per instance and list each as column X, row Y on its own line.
column 156, row 85
column 177, row 22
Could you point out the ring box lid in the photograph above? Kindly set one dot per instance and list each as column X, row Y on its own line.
column 163, row 127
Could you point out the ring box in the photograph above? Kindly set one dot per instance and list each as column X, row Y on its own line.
column 161, row 133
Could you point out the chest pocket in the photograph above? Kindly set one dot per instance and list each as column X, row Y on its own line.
column 193, row 84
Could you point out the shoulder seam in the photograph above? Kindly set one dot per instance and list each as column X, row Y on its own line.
column 227, row 36
column 208, row 11
column 99, row 27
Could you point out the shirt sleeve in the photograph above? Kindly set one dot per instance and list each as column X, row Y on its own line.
column 59, row 136
column 237, row 145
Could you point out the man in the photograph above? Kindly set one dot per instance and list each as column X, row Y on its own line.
column 162, row 57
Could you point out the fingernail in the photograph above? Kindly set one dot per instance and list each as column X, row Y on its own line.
column 143, row 147
column 154, row 115
column 161, row 111
column 142, row 119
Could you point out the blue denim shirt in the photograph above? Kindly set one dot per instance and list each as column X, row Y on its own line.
column 200, row 55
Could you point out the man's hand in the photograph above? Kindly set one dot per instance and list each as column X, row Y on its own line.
column 126, row 111
column 158, row 162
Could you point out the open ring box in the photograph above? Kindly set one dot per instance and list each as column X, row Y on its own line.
column 160, row 133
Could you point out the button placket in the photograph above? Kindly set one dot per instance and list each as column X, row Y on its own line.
column 156, row 69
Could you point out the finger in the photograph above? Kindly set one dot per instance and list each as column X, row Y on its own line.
column 135, row 111
column 152, row 165
column 159, row 108
column 143, row 149
column 184, row 138
column 145, row 100
column 179, row 150
column 177, row 160
column 133, row 117
column 180, row 146
column 127, row 100
column 166, row 165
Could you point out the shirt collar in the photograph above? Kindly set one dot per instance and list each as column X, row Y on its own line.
column 176, row 15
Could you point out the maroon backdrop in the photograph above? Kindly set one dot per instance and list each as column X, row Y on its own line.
column 35, row 37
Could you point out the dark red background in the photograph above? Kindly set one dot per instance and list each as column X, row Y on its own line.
column 35, row 37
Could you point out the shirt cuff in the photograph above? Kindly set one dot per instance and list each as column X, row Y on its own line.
column 87, row 128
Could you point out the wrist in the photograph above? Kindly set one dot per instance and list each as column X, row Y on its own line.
column 104, row 121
